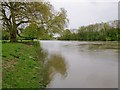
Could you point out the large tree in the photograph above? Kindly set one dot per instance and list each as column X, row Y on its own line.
column 18, row 14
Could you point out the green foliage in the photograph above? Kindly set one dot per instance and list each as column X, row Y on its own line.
column 94, row 33
column 5, row 35
column 44, row 35
column 58, row 22
column 66, row 35
column 40, row 13
column 0, row 34
column 31, row 31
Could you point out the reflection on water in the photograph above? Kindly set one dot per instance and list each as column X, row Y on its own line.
column 53, row 64
column 91, row 64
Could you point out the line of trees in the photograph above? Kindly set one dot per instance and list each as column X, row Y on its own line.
column 94, row 32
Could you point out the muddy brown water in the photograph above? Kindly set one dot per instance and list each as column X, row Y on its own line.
column 76, row 64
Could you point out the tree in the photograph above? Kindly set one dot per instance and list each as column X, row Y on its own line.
column 30, row 32
column 58, row 22
column 94, row 32
column 18, row 14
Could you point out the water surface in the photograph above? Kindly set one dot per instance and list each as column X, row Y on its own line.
column 73, row 64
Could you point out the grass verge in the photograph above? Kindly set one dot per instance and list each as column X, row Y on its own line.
column 21, row 65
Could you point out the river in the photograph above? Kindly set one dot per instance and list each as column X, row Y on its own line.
column 79, row 64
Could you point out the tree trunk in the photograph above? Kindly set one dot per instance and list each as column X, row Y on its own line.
column 13, row 38
column 13, row 29
column 13, row 35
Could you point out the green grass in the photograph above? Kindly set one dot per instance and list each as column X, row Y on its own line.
column 21, row 65
column 0, row 64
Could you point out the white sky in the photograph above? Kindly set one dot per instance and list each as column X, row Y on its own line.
column 85, row 12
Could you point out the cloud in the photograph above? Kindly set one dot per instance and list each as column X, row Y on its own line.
column 84, row 1
column 84, row 13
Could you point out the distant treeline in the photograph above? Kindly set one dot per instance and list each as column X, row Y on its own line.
column 94, row 32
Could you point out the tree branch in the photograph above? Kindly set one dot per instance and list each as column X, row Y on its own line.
column 22, row 22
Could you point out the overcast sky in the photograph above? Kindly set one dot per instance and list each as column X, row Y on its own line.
column 85, row 12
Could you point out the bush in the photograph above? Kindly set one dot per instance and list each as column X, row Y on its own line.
column 5, row 35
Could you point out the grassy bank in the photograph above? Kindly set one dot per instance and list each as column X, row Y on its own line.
column 0, row 64
column 21, row 65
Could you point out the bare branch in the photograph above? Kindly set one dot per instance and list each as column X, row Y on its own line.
column 22, row 22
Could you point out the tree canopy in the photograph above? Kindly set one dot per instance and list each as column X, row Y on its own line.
column 17, row 15
column 95, row 32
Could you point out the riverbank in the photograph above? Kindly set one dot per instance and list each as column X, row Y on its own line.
column 21, row 65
